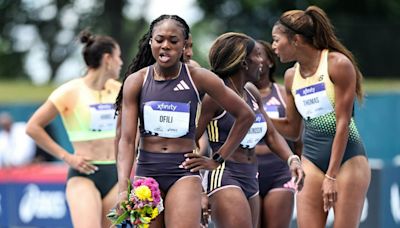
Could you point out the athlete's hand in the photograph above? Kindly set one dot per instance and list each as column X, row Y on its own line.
column 329, row 193
column 298, row 174
column 195, row 162
column 80, row 163
column 122, row 197
column 205, row 210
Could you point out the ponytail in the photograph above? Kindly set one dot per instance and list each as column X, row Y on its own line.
column 325, row 38
column 314, row 25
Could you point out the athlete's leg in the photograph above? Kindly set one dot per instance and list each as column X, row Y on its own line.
column 183, row 203
column 277, row 208
column 230, row 208
column 108, row 203
column 84, row 201
column 309, row 205
column 254, row 203
column 352, row 181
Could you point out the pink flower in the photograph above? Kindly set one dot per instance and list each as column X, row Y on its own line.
column 138, row 182
column 156, row 197
column 150, row 181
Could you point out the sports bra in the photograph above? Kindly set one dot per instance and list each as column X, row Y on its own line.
column 87, row 114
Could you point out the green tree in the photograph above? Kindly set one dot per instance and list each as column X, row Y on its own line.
column 369, row 28
column 54, row 25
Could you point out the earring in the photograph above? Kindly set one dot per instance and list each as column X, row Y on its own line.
column 150, row 42
column 246, row 68
column 270, row 65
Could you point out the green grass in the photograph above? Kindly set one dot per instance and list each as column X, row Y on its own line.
column 382, row 85
column 26, row 92
column 23, row 92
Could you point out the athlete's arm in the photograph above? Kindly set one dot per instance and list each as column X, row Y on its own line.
column 229, row 101
column 35, row 129
column 343, row 76
column 128, row 128
column 276, row 142
column 291, row 125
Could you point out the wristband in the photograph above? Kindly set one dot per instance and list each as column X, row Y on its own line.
column 218, row 158
column 330, row 178
column 291, row 157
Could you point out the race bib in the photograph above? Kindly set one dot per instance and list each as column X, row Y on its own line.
column 102, row 117
column 312, row 101
column 255, row 133
column 166, row 119
column 272, row 111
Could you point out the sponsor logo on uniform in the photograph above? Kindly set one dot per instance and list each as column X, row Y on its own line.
column 181, row 86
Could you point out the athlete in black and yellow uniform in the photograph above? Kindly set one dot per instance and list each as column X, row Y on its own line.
column 276, row 194
column 233, row 173
column 236, row 60
column 321, row 89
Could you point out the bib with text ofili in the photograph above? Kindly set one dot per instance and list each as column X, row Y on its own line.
column 166, row 119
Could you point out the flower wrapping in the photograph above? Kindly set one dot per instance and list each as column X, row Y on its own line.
column 144, row 204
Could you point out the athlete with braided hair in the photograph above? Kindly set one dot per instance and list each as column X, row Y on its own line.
column 161, row 96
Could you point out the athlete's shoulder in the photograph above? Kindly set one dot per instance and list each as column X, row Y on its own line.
column 138, row 76
column 71, row 85
column 288, row 78
column 338, row 59
column 113, row 84
column 340, row 67
column 252, row 89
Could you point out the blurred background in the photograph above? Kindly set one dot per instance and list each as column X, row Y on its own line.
column 39, row 50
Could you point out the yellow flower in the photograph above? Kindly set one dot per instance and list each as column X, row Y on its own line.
column 144, row 225
column 143, row 193
column 155, row 213
column 145, row 219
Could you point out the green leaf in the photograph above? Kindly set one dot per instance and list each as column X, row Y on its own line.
column 121, row 218
column 129, row 187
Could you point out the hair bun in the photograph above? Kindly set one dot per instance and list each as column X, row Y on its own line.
column 86, row 37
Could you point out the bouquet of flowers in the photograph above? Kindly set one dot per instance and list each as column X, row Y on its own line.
column 143, row 205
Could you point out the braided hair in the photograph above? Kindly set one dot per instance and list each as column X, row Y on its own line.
column 144, row 56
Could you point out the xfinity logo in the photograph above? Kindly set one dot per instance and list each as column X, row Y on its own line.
column 169, row 107
column 308, row 90
column 41, row 204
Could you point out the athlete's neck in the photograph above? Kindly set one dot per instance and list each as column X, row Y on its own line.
column 95, row 79
column 309, row 64
column 167, row 73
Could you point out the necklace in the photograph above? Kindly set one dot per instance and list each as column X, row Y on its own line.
column 234, row 88
column 165, row 78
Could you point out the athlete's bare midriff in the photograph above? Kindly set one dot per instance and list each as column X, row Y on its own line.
column 96, row 150
column 166, row 145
